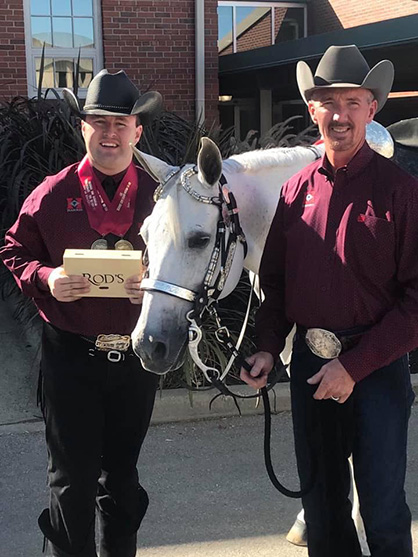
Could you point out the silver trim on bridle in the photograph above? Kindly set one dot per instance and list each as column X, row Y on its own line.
column 151, row 285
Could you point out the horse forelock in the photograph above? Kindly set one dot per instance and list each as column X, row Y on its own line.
column 253, row 161
column 167, row 211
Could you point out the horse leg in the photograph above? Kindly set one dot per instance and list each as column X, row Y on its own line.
column 358, row 521
column 298, row 535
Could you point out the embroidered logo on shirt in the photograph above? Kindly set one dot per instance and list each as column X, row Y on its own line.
column 74, row 204
column 309, row 200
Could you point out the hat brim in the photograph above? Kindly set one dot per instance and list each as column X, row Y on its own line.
column 379, row 80
column 147, row 107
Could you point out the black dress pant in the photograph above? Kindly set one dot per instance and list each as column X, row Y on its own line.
column 371, row 425
column 97, row 414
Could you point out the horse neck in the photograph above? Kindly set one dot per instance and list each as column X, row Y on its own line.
column 257, row 193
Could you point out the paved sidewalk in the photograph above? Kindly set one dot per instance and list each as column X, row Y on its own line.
column 210, row 494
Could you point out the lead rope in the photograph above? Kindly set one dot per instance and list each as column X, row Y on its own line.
column 216, row 379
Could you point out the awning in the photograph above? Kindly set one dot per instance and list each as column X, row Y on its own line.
column 402, row 31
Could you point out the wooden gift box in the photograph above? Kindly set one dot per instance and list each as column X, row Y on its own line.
column 106, row 270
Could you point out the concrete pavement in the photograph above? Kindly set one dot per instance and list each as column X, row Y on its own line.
column 210, row 494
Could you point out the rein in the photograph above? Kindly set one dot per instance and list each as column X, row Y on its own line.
column 206, row 298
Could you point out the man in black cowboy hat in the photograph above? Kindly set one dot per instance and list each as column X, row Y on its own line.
column 95, row 397
column 340, row 262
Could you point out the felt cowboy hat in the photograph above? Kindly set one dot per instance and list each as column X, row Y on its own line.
column 345, row 66
column 115, row 95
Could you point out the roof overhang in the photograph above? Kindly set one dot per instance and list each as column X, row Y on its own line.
column 380, row 35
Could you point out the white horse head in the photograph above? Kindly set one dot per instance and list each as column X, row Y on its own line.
column 181, row 232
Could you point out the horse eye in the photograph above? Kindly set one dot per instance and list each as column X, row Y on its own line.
column 198, row 241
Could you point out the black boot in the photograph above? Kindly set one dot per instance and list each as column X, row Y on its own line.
column 119, row 547
column 60, row 547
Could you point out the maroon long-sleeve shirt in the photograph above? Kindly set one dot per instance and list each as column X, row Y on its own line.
column 342, row 252
column 53, row 218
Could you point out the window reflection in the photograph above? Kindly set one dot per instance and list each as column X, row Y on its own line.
column 40, row 7
column 62, row 32
column 83, row 32
column 64, row 73
column 63, row 24
column 289, row 25
column 41, row 31
column 82, row 7
column 48, row 75
column 225, row 39
column 85, row 74
column 246, row 27
column 254, row 28
column 61, row 7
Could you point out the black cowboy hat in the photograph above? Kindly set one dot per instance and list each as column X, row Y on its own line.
column 115, row 95
column 345, row 66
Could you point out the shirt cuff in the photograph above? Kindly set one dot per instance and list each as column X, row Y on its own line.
column 42, row 276
column 355, row 365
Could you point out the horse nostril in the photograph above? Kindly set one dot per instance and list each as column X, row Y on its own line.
column 160, row 350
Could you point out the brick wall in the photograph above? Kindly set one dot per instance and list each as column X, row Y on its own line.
column 330, row 15
column 12, row 49
column 259, row 34
column 154, row 42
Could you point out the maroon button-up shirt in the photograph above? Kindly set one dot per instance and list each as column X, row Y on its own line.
column 54, row 218
column 342, row 252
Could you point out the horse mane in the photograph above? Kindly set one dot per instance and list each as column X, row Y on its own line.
column 253, row 161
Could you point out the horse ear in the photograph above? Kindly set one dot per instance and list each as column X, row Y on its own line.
column 209, row 161
column 156, row 168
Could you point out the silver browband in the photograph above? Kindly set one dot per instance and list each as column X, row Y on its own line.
column 167, row 288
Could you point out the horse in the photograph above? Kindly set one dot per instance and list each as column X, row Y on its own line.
column 181, row 236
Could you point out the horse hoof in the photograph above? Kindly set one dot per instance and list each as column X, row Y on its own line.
column 297, row 534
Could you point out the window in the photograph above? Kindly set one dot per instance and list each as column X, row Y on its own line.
column 66, row 27
column 248, row 25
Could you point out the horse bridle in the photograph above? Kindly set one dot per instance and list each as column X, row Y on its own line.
column 223, row 251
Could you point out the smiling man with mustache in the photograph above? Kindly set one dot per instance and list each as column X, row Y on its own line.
column 340, row 262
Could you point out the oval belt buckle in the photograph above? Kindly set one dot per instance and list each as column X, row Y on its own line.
column 323, row 343
column 114, row 356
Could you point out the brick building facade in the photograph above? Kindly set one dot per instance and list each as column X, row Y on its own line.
column 152, row 40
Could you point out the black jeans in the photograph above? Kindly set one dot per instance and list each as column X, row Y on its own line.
column 96, row 414
column 372, row 425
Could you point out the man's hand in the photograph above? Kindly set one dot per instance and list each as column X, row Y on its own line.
column 67, row 288
column 133, row 288
column 262, row 363
column 334, row 381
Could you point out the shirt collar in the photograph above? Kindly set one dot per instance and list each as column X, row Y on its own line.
column 360, row 160
column 116, row 177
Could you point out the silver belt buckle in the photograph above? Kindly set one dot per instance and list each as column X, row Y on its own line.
column 115, row 356
column 323, row 343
